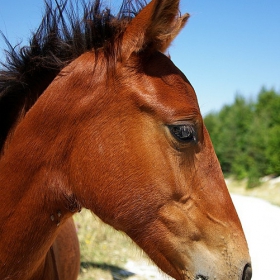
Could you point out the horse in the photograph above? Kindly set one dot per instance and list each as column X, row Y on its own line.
column 94, row 114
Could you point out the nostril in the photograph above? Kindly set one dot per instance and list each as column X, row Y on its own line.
column 247, row 272
column 201, row 277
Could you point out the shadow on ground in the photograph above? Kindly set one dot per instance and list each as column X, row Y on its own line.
column 117, row 273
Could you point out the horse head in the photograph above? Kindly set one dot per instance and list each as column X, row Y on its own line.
column 124, row 137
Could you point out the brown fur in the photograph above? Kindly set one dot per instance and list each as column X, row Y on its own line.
column 100, row 136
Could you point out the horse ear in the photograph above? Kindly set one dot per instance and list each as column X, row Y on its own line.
column 154, row 27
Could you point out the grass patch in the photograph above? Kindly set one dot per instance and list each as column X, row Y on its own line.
column 104, row 251
column 269, row 190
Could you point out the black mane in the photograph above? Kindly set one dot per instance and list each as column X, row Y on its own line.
column 68, row 29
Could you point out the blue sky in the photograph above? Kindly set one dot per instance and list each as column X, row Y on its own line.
column 227, row 47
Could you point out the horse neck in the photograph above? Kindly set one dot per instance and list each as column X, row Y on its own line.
column 32, row 210
column 36, row 196
column 30, row 219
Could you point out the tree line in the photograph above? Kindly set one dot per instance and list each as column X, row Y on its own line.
column 246, row 136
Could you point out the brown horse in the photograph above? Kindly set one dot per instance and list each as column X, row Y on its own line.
column 94, row 115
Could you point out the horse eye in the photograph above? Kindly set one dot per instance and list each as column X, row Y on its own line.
column 183, row 132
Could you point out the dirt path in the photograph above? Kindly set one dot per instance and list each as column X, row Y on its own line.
column 261, row 224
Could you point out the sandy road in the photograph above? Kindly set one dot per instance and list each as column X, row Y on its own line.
column 261, row 224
